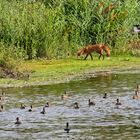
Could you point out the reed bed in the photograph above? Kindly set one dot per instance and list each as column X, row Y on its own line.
column 57, row 28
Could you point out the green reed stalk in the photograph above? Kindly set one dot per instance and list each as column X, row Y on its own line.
column 56, row 29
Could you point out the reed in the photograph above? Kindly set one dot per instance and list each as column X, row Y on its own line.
column 56, row 29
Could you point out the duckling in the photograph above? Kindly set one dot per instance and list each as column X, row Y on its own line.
column 136, row 95
column 43, row 111
column 118, row 103
column 64, row 96
column 31, row 108
column 3, row 94
column 17, row 121
column 90, row 103
column 1, row 108
column 105, row 96
column 47, row 104
column 137, row 92
column 22, row 106
column 2, row 97
column 138, row 88
column 76, row 105
column 67, row 129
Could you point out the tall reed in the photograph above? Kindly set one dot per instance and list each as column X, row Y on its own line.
column 57, row 28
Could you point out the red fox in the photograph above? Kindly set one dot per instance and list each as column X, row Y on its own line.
column 99, row 48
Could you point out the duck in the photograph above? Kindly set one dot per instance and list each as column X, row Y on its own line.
column 118, row 102
column 76, row 105
column 3, row 94
column 17, row 121
column 31, row 108
column 1, row 108
column 67, row 129
column 136, row 95
column 138, row 86
column 64, row 96
column 105, row 96
column 22, row 106
column 47, row 104
column 90, row 103
column 2, row 97
column 43, row 111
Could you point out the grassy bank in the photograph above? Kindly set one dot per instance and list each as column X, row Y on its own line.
column 48, row 30
column 45, row 72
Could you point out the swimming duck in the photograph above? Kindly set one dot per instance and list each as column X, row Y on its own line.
column 47, row 104
column 136, row 96
column 17, row 121
column 76, row 105
column 1, row 108
column 90, row 103
column 138, row 86
column 105, row 96
column 3, row 94
column 2, row 97
column 31, row 108
column 43, row 111
column 67, row 129
column 118, row 103
column 64, row 96
column 22, row 106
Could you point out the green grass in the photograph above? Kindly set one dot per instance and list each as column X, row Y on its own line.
column 55, row 28
column 56, row 71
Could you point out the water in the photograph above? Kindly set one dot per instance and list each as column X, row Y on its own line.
column 103, row 121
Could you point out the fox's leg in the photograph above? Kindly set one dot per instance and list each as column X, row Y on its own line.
column 91, row 56
column 86, row 57
column 100, row 56
column 103, row 57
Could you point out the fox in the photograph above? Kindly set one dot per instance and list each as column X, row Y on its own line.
column 99, row 48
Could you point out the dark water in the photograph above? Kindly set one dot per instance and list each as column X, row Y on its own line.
column 103, row 121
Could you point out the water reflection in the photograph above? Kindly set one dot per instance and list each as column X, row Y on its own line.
column 104, row 120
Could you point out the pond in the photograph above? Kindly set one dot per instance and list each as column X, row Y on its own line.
column 104, row 120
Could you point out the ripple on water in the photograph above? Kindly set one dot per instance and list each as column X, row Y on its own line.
column 100, row 121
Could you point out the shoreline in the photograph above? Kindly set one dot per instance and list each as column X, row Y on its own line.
column 89, row 73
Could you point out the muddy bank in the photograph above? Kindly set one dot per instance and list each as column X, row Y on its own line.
column 72, row 77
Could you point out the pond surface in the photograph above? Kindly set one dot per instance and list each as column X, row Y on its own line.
column 104, row 120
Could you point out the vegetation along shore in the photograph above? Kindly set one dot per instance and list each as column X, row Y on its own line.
column 39, row 39
column 44, row 72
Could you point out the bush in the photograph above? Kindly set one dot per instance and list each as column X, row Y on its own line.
column 55, row 28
